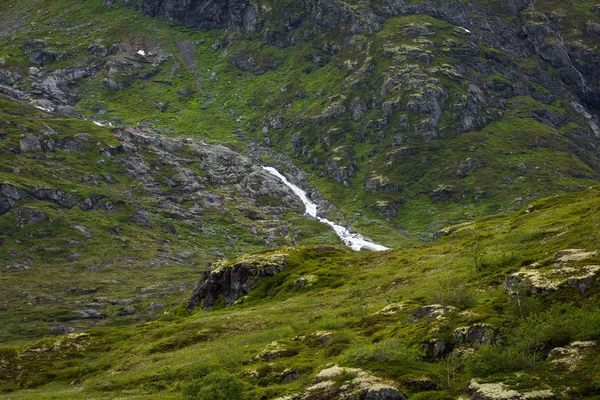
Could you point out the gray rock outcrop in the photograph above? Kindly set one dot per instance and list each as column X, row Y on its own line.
column 234, row 279
column 9, row 195
column 357, row 384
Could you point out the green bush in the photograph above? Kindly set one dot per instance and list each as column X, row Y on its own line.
column 392, row 351
column 218, row 385
column 528, row 342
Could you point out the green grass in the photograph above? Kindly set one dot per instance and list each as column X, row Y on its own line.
column 167, row 355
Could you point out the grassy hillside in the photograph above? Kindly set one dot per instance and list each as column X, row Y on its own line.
column 282, row 335
column 104, row 224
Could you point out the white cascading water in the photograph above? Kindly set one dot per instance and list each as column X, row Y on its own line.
column 353, row 240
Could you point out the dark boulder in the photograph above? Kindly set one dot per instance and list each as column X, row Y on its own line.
column 42, row 57
column 234, row 279
column 9, row 195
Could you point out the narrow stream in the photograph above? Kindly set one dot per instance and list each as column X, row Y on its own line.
column 353, row 240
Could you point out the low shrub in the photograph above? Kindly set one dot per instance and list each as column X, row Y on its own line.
column 219, row 385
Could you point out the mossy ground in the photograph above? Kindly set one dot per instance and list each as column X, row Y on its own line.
column 465, row 269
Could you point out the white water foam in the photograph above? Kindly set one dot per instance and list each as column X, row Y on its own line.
column 353, row 240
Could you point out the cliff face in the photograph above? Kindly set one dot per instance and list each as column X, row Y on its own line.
column 202, row 14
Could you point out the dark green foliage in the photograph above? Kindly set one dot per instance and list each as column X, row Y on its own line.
column 525, row 346
column 390, row 351
column 215, row 386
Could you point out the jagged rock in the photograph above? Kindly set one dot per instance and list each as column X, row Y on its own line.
column 548, row 280
column 432, row 312
column 55, row 196
column 500, row 391
column 142, row 218
column 30, row 144
column 516, row 6
column 357, row 385
column 68, row 111
column 9, row 195
column 112, row 84
column 55, row 86
column 9, row 78
column 234, row 279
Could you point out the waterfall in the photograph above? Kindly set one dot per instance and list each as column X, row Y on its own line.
column 353, row 240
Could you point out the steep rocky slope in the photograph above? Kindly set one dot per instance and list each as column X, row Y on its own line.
column 99, row 225
column 414, row 114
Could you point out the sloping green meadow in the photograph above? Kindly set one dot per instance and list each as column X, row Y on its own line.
column 465, row 269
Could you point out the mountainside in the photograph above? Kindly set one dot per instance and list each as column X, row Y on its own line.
column 505, row 308
column 418, row 114
column 146, row 252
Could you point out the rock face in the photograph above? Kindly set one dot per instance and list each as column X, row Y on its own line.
column 202, row 14
column 474, row 335
column 234, row 279
column 9, row 195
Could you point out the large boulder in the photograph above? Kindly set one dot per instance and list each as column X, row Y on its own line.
column 234, row 279
column 9, row 195
column 357, row 384
column 30, row 144
column 433, row 312
column 565, row 271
